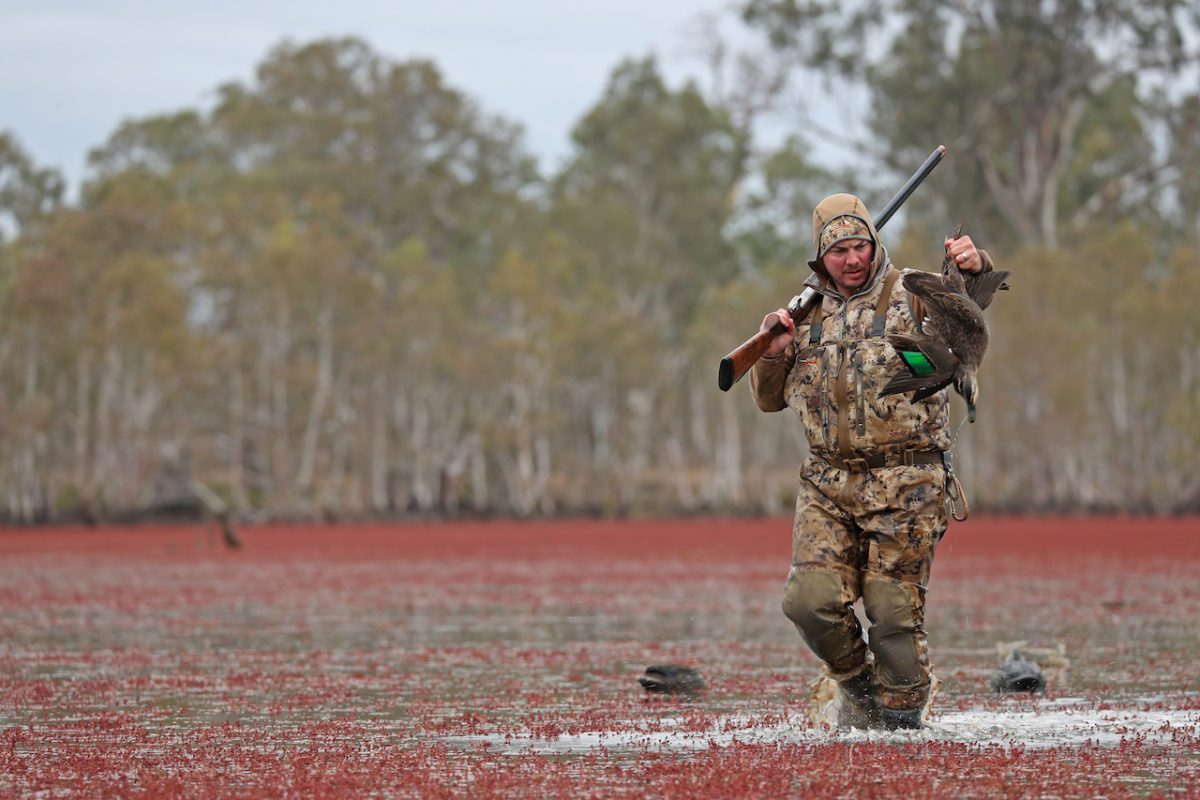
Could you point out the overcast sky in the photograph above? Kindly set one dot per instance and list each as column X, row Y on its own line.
column 71, row 71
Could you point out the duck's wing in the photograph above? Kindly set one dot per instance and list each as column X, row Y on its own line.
column 982, row 286
column 936, row 297
column 929, row 362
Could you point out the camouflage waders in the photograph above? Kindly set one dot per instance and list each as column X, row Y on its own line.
column 869, row 534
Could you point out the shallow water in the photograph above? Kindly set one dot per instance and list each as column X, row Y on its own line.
column 502, row 660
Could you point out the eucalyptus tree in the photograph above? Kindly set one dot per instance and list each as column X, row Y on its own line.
column 399, row 158
column 29, row 197
column 283, row 216
column 1055, row 110
column 28, row 193
column 95, row 321
column 645, row 202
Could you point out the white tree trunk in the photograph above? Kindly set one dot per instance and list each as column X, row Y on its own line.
column 320, row 399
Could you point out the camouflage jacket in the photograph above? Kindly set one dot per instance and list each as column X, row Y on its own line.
column 833, row 384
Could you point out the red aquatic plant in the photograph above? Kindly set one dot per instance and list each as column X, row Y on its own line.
column 498, row 659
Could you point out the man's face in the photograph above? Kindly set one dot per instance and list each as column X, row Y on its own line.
column 849, row 263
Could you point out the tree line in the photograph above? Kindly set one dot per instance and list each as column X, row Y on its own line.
column 348, row 290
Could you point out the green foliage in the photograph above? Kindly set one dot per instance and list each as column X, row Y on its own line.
column 408, row 155
column 774, row 222
column 27, row 193
column 159, row 145
column 650, row 188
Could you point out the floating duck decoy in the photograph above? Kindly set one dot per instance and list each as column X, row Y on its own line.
column 1052, row 659
column 672, row 679
column 1018, row 674
column 956, row 336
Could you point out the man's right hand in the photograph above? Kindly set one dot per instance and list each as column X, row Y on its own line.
column 780, row 342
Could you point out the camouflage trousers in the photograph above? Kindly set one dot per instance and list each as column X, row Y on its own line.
column 868, row 534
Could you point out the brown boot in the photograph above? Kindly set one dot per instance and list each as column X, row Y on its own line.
column 898, row 720
column 858, row 708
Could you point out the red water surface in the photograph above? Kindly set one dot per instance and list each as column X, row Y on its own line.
column 1037, row 538
column 355, row 660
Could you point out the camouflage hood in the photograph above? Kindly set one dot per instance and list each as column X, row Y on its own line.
column 831, row 210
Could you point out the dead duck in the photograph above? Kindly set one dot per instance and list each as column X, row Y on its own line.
column 1018, row 674
column 672, row 679
column 955, row 335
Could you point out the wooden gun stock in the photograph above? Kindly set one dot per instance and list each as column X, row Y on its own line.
column 738, row 363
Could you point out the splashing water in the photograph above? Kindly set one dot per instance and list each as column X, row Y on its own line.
column 1066, row 721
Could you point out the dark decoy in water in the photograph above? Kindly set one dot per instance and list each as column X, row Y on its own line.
column 672, row 679
column 1017, row 674
column 956, row 336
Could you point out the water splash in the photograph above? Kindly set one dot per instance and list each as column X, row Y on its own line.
column 1067, row 721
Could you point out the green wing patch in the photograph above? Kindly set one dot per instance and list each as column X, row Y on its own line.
column 916, row 362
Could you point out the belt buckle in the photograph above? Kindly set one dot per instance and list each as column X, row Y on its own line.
column 857, row 465
column 908, row 457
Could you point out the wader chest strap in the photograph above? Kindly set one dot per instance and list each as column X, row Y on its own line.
column 814, row 333
column 881, row 308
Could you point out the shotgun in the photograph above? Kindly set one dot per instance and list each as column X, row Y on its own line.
column 739, row 362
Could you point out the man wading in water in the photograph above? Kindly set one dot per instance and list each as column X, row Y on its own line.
column 870, row 508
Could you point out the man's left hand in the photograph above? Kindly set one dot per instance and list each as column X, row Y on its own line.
column 963, row 251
